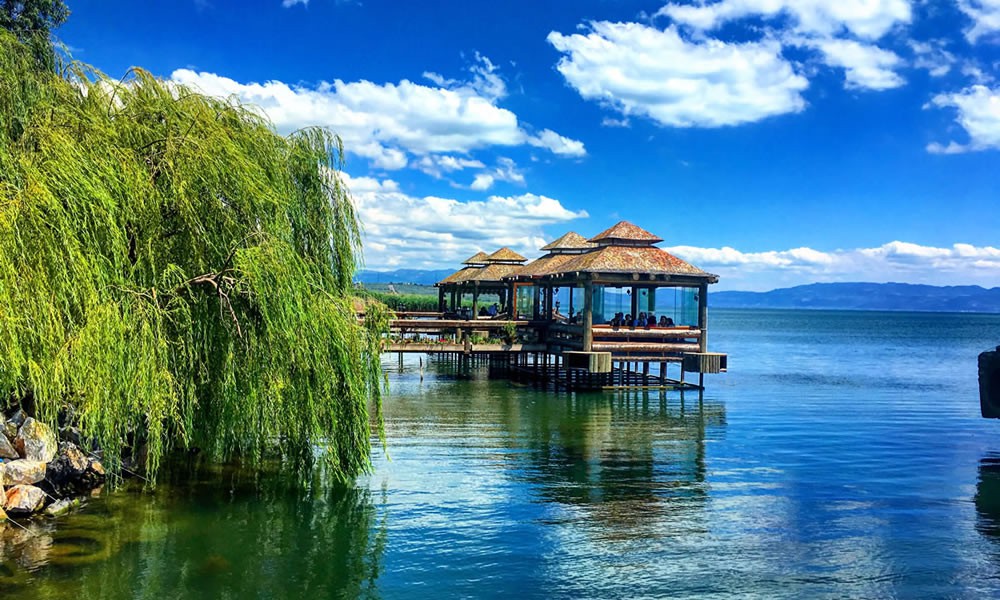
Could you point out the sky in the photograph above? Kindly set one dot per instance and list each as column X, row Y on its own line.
column 773, row 142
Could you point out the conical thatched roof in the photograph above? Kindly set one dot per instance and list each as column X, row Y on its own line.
column 506, row 255
column 461, row 275
column 479, row 258
column 623, row 231
column 568, row 241
column 630, row 259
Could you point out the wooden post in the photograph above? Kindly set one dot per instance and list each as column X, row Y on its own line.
column 441, row 299
column 453, row 294
column 475, row 300
column 703, row 316
column 588, row 315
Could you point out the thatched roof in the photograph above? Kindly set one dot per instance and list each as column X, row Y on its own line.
column 550, row 263
column 569, row 241
column 623, row 231
column 479, row 258
column 629, row 259
column 505, row 255
column 461, row 275
column 493, row 273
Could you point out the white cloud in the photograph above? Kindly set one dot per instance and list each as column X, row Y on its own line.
column 985, row 15
column 390, row 123
column 436, row 165
column 640, row 70
column 979, row 115
column 933, row 57
column 865, row 66
column 870, row 19
column 894, row 261
column 505, row 170
column 289, row 3
column 434, row 232
column 557, row 144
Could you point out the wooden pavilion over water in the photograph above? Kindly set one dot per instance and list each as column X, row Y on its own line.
column 597, row 312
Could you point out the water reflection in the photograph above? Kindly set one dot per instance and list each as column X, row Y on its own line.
column 988, row 497
column 206, row 532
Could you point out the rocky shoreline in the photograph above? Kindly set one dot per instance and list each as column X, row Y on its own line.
column 42, row 472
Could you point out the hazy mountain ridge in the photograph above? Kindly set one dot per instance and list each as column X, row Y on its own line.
column 414, row 276
column 867, row 296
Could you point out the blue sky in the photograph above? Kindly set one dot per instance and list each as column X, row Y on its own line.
column 774, row 142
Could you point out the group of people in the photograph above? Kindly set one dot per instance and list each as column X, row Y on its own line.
column 643, row 320
column 489, row 311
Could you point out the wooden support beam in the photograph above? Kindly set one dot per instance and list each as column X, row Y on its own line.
column 588, row 315
column 703, row 316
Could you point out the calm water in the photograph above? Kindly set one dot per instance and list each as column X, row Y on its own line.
column 842, row 456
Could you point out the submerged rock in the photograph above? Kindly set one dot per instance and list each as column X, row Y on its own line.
column 7, row 449
column 61, row 507
column 23, row 499
column 36, row 441
column 23, row 472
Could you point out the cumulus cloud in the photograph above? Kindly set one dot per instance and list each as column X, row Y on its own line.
column 505, row 170
column 978, row 113
column 392, row 123
column 434, row 232
column 894, row 261
column 870, row 19
column 985, row 15
column 932, row 56
column 866, row 66
column 641, row 70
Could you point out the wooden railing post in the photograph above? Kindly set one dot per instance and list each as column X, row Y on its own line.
column 588, row 315
column 703, row 316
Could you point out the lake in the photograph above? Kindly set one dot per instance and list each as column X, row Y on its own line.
column 843, row 455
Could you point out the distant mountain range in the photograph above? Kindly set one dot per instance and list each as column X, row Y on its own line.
column 413, row 276
column 867, row 296
column 836, row 296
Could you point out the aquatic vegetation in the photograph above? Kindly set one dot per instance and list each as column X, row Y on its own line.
column 178, row 272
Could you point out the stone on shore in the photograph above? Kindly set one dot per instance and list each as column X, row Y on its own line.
column 23, row 499
column 7, row 449
column 10, row 430
column 23, row 472
column 72, row 472
column 36, row 441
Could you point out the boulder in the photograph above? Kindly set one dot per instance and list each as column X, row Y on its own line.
column 19, row 417
column 36, row 441
column 10, row 430
column 7, row 449
column 60, row 507
column 23, row 500
column 23, row 472
column 69, row 434
column 71, row 472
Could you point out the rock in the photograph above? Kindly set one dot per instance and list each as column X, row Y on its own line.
column 97, row 467
column 69, row 434
column 3, row 515
column 23, row 499
column 23, row 472
column 10, row 430
column 59, row 508
column 18, row 418
column 36, row 441
column 71, row 472
column 7, row 449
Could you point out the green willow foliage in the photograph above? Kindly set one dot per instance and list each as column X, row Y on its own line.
column 179, row 272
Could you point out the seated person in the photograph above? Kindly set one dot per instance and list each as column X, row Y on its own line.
column 493, row 309
column 663, row 321
column 651, row 322
column 629, row 321
column 483, row 312
column 669, row 323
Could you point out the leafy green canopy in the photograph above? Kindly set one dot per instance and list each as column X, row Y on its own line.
column 178, row 271
column 31, row 21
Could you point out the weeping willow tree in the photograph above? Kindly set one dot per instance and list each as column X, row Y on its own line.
column 178, row 272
